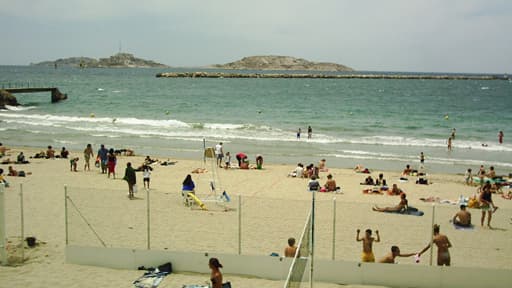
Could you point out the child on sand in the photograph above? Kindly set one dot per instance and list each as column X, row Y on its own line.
column 146, row 174
column 73, row 163
column 368, row 240
column 227, row 161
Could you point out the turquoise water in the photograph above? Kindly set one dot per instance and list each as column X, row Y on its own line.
column 381, row 123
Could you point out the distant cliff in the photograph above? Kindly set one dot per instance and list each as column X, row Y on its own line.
column 120, row 60
column 281, row 63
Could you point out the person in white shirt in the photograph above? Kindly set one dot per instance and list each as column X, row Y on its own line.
column 219, row 154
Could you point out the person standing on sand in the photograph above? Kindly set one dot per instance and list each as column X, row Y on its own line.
column 310, row 132
column 395, row 252
column 298, row 134
column 102, row 155
column 219, row 154
column 87, row 157
column 449, row 143
column 111, row 163
column 131, row 178
column 368, row 240
column 422, row 158
column 500, row 137
column 442, row 243
column 291, row 249
column 486, row 204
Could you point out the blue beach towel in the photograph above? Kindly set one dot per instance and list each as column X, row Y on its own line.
column 409, row 211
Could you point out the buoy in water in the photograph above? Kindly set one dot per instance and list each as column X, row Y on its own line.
column 92, row 115
column 167, row 112
column 446, row 117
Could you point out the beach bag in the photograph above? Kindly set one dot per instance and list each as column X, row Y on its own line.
column 21, row 174
column 167, row 267
column 226, row 285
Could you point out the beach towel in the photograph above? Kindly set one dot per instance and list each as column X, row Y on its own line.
column 150, row 279
column 224, row 285
column 471, row 227
column 409, row 211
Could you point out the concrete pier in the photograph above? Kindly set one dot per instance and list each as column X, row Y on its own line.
column 55, row 93
column 330, row 76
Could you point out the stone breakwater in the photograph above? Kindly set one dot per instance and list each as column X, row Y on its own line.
column 329, row 76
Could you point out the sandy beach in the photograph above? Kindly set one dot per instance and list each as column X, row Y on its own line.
column 274, row 208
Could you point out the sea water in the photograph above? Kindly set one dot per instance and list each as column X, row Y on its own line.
column 379, row 123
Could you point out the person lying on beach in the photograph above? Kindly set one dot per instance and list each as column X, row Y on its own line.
column 149, row 161
column 398, row 208
column 199, row 170
column 367, row 255
column 291, row 249
column 125, row 152
column 20, row 159
column 13, row 172
column 373, row 190
column 8, row 161
column 462, row 217
column 395, row 252
column 360, row 169
column 39, row 155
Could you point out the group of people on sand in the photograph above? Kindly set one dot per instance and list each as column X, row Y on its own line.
column 440, row 240
column 242, row 159
column 312, row 173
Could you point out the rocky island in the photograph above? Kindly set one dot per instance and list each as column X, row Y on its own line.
column 120, row 60
column 281, row 63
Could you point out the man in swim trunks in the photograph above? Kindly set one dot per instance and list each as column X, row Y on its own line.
column 442, row 243
column 463, row 217
column 368, row 240
column 395, row 252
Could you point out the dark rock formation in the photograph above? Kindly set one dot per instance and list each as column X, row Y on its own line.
column 7, row 98
column 281, row 63
column 120, row 60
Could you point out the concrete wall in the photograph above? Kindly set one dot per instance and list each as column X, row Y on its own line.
column 276, row 268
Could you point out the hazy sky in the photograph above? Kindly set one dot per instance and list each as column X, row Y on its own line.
column 378, row 35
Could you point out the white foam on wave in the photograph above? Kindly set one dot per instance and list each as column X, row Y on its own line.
column 367, row 155
column 53, row 119
column 19, row 108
